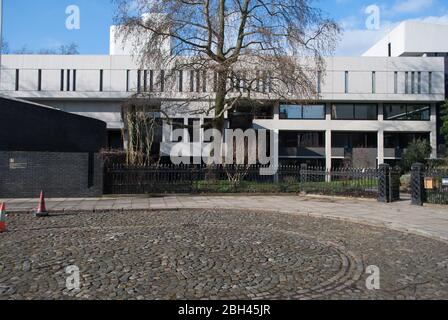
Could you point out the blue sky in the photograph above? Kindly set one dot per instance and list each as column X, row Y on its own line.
column 41, row 24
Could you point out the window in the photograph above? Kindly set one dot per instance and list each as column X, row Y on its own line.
column 389, row 49
column 430, row 83
column 402, row 140
column 17, row 79
column 354, row 111
column 178, row 123
column 74, row 80
column 162, row 80
column 351, row 140
column 373, row 82
column 62, row 80
column 413, row 82
column 420, row 112
column 419, row 82
column 181, row 81
column 297, row 139
column 396, row 82
column 68, row 79
column 346, row 81
column 309, row 112
column 139, row 80
column 127, row 80
column 198, row 81
column 101, row 80
column 406, row 82
column 39, row 80
column 319, row 82
column 194, row 130
column 151, row 80
column 191, row 80
column 145, row 80
column 366, row 112
column 204, row 81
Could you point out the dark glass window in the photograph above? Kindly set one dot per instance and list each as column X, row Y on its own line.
column 294, row 139
column 420, row 112
column 194, row 128
column 39, row 80
column 101, row 79
column 354, row 111
column 342, row 111
column 288, row 111
column 74, row 80
column 366, row 112
column 178, row 123
column 402, row 140
column 354, row 140
column 181, row 81
column 17, row 79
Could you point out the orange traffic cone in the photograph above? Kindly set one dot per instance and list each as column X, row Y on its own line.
column 41, row 209
column 3, row 218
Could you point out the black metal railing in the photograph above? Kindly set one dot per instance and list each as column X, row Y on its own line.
column 435, row 185
column 163, row 179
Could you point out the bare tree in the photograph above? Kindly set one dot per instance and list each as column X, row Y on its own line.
column 64, row 49
column 4, row 47
column 253, row 49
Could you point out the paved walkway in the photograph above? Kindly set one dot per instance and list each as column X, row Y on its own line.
column 429, row 220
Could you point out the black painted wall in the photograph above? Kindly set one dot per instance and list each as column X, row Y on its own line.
column 46, row 149
column 29, row 127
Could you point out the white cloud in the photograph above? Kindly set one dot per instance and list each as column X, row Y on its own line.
column 411, row 6
column 434, row 19
column 355, row 41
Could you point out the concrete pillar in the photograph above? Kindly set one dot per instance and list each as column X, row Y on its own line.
column 328, row 153
column 380, row 147
column 277, row 111
column 380, row 144
column 328, row 150
column 433, row 134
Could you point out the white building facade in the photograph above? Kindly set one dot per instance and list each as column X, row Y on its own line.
column 369, row 107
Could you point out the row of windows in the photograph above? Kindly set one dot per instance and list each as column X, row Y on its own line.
column 67, row 80
column 412, row 84
column 198, row 81
column 316, row 139
column 357, row 111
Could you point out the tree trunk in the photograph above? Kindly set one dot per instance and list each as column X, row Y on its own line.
column 220, row 100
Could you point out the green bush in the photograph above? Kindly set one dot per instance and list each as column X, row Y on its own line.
column 417, row 151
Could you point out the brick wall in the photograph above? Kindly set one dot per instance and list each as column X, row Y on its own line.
column 23, row 174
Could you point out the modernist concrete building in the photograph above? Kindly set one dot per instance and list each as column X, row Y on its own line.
column 369, row 108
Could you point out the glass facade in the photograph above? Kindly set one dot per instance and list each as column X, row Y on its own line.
column 295, row 139
column 354, row 111
column 420, row 112
column 309, row 112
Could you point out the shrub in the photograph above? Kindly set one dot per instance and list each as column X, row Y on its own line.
column 417, row 151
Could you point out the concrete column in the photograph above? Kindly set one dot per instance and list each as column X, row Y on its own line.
column 380, row 144
column 380, row 147
column 433, row 135
column 277, row 111
column 328, row 149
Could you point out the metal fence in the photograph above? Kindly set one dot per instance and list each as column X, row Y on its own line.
column 343, row 181
column 163, row 179
column 435, row 186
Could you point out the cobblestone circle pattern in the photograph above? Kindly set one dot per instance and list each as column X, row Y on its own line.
column 214, row 254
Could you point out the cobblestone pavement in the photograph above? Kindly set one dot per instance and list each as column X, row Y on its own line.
column 214, row 254
column 428, row 220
